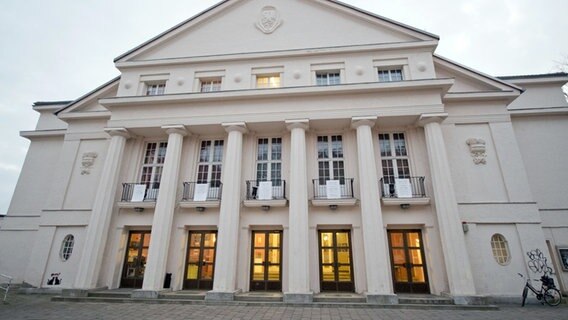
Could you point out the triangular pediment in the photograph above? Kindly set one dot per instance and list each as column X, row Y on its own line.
column 234, row 26
column 467, row 80
column 90, row 101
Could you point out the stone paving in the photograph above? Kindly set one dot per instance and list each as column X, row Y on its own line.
column 36, row 307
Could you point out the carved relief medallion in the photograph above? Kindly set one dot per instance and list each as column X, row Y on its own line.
column 269, row 20
column 477, row 149
column 87, row 162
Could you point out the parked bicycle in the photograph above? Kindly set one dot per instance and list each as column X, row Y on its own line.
column 547, row 292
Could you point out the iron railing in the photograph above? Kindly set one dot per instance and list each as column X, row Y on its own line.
column 214, row 189
column 150, row 193
column 389, row 188
column 321, row 188
column 278, row 189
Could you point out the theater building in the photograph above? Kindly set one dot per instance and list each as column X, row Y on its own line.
column 295, row 146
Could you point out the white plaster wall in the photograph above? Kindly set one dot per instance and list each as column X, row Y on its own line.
column 55, row 264
column 540, row 95
column 15, row 252
column 48, row 121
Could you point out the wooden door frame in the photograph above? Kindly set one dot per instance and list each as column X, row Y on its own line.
column 336, row 273
column 266, row 249
column 200, row 266
column 407, row 248
column 123, row 277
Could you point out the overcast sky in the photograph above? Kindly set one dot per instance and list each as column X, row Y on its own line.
column 61, row 49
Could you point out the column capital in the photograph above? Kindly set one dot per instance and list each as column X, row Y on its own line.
column 122, row 132
column 370, row 121
column 175, row 128
column 235, row 126
column 298, row 123
column 427, row 118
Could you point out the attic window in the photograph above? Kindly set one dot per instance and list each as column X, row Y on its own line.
column 155, row 89
column 328, row 78
column 268, row 81
column 210, row 85
column 390, row 75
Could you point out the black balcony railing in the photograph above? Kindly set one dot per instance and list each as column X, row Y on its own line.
column 415, row 190
column 213, row 192
column 278, row 189
column 321, row 189
column 150, row 191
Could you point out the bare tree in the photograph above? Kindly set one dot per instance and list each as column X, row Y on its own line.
column 562, row 66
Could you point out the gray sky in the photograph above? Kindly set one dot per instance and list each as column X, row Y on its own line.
column 61, row 49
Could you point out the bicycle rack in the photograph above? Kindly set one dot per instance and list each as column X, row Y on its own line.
column 5, row 286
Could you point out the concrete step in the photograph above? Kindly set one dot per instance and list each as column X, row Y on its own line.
column 260, row 296
column 110, row 294
column 425, row 301
column 339, row 298
column 184, row 295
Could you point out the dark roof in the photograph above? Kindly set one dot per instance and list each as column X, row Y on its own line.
column 83, row 97
column 51, row 103
column 376, row 16
column 535, row 76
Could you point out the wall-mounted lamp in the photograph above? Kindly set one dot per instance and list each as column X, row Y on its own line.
column 405, row 206
column 200, row 209
column 465, row 227
column 333, row 206
column 138, row 209
column 265, row 208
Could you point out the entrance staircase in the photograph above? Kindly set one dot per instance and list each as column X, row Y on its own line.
column 337, row 300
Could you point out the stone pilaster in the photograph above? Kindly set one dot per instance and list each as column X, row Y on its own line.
column 224, row 283
column 163, row 214
column 379, row 281
column 298, row 234
column 456, row 257
column 99, row 221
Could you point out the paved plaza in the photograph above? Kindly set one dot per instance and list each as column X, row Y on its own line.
column 35, row 307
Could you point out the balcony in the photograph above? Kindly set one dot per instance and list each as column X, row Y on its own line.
column 139, row 195
column 403, row 192
column 201, row 195
column 266, row 194
column 333, row 193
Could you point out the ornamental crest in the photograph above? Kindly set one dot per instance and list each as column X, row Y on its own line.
column 87, row 162
column 477, row 149
column 269, row 20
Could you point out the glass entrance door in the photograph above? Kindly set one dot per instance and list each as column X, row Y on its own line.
column 266, row 261
column 200, row 261
column 408, row 262
column 135, row 260
column 336, row 269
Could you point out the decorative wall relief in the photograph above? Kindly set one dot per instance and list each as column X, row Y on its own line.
column 269, row 20
column 477, row 149
column 87, row 162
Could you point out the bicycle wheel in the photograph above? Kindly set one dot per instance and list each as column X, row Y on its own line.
column 552, row 297
column 525, row 292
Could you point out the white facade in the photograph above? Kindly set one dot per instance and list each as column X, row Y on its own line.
column 365, row 134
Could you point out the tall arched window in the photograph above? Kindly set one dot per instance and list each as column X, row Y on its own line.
column 67, row 247
column 500, row 249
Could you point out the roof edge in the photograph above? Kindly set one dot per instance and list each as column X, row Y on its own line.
column 534, row 76
column 50, row 103
column 485, row 75
column 88, row 94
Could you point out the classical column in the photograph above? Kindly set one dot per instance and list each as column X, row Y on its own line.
column 379, row 283
column 298, row 224
column 99, row 221
column 163, row 215
column 224, row 283
column 456, row 257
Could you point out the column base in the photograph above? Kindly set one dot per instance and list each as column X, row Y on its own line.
column 382, row 299
column 298, row 297
column 466, row 299
column 147, row 294
column 79, row 293
column 221, row 295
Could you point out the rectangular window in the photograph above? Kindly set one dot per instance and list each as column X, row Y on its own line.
column 330, row 159
column 268, row 81
column 269, row 160
column 210, row 163
column 210, row 85
column 394, row 157
column 390, row 75
column 328, row 78
column 155, row 89
column 152, row 166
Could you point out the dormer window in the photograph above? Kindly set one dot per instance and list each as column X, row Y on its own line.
column 390, row 75
column 155, row 89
